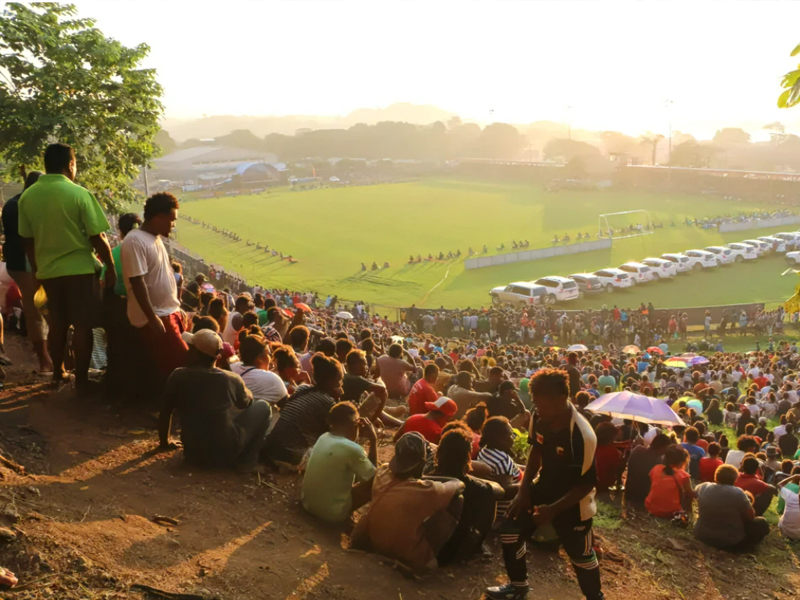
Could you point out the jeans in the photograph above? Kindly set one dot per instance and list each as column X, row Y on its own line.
column 255, row 421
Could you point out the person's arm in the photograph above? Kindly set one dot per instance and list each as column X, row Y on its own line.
column 522, row 501
column 243, row 397
column 367, row 430
column 687, row 497
column 30, row 252
column 100, row 244
column 143, row 298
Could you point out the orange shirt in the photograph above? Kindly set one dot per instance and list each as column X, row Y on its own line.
column 664, row 499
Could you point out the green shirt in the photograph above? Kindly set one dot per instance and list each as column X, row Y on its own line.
column 334, row 464
column 262, row 317
column 606, row 380
column 119, row 287
column 61, row 216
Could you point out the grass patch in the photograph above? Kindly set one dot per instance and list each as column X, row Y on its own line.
column 332, row 231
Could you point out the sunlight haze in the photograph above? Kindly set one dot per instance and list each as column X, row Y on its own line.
column 598, row 65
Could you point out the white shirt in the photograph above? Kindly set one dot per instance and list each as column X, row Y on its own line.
column 779, row 431
column 264, row 385
column 790, row 520
column 144, row 254
column 734, row 458
column 229, row 334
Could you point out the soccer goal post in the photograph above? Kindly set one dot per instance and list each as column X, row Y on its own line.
column 629, row 223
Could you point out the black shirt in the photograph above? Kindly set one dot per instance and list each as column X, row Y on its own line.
column 788, row 444
column 574, row 380
column 354, row 386
column 567, row 460
column 303, row 419
column 13, row 252
column 207, row 400
column 502, row 407
column 641, row 462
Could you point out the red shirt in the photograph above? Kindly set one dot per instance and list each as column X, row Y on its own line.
column 752, row 484
column 608, row 463
column 708, row 467
column 703, row 444
column 421, row 393
column 761, row 382
column 428, row 428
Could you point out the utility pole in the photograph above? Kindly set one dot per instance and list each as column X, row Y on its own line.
column 668, row 104
column 146, row 186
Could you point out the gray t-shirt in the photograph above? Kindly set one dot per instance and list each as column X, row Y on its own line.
column 721, row 514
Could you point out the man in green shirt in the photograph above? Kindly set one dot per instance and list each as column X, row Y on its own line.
column 606, row 380
column 336, row 461
column 62, row 225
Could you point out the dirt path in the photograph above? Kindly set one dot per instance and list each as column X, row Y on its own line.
column 84, row 527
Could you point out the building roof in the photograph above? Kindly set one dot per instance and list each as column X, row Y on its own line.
column 201, row 155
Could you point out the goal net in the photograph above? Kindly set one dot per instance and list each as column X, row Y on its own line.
column 629, row 223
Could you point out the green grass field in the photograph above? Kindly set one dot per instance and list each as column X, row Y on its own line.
column 332, row 231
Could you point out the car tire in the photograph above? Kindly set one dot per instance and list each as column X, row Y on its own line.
column 496, row 301
column 580, row 295
column 550, row 299
column 697, row 266
column 634, row 283
column 609, row 288
column 739, row 258
column 656, row 277
column 792, row 262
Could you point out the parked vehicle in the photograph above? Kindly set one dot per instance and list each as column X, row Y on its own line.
column 520, row 293
column 791, row 239
column 682, row 262
column 662, row 268
column 587, row 283
column 613, row 278
column 701, row 259
column 761, row 247
column 640, row 273
column 724, row 255
column 559, row 289
column 793, row 258
column 743, row 251
column 776, row 244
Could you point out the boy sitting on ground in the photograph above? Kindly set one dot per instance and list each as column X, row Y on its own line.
column 336, row 461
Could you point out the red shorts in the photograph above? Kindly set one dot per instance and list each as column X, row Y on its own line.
column 167, row 350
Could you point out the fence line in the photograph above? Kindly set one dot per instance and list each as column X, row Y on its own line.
column 538, row 254
column 760, row 224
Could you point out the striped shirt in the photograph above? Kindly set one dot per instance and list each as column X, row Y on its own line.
column 500, row 463
column 302, row 420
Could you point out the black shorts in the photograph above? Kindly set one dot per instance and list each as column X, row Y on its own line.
column 74, row 300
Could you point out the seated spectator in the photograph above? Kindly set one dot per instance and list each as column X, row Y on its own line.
column 463, row 395
column 641, row 461
column 714, row 413
column 725, row 517
column 475, row 419
column 671, row 492
column 690, row 438
column 497, row 442
column 790, row 519
column 709, row 464
column 304, row 417
column 608, row 458
column 356, row 385
column 477, row 515
column 788, row 469
column 336, row 461
column 254, row 370
column 221, row 425
column 410, row 518
column 788, row 441
column 430, row 424
column 423, row 392
column 393, row 370
column 744, row 444
column 750, row 481
column 287, row 366
column 506, row 403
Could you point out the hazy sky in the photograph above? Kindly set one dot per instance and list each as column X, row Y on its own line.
column 614, row 63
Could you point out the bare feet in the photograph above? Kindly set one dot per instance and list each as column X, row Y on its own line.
column 7, row 578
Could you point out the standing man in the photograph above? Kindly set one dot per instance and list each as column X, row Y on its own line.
column 16, row 263
column 153, row 305
column 61, row 225
column 562, row 455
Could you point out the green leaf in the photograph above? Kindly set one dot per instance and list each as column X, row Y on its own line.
column 783, row 98
column 790, row 78
column 796, row 50
column 794, row 96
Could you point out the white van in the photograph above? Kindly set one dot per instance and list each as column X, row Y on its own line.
column 662, row 268
column 559, row 288
column 639, row 272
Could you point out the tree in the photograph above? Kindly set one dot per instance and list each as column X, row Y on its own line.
column 165, row 142
column 62, row 80
column 731, row 136
column 565, row 150
column 692, row 154
column 650, row 141
column 498, row 141
column 791, row 85
column 241, row 138
column 618, row 143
